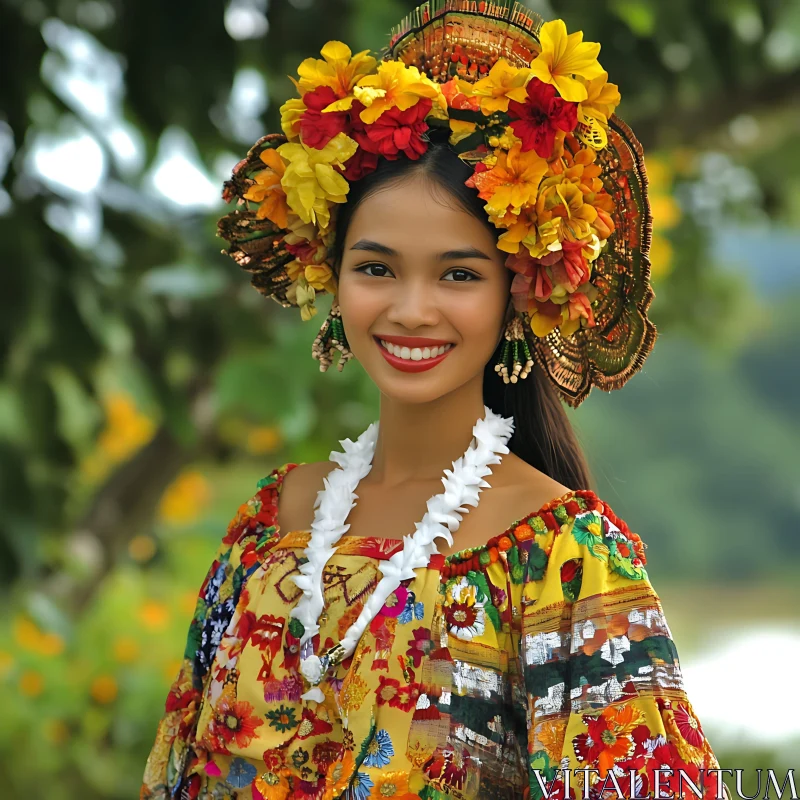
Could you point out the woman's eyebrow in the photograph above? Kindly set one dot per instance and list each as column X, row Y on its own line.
column 448, row 255
column 466, row 252
column 373, row 247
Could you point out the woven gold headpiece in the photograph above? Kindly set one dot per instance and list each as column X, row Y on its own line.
column 530, row 107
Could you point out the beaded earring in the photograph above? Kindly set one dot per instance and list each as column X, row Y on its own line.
column 331, row 337
column 514, row 347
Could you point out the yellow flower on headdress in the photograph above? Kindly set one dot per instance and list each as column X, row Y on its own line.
column 519, row 230
column 267, row 190
column 564, row 56
column 512, row 182
column 503, row 83
column 562, row 213
column 340, row 69
column 602, row 98
column 291, row 111
column 311, row 183
column 395, row 86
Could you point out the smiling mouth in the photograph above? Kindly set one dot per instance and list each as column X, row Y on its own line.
column 412, row 359
column 413, row 353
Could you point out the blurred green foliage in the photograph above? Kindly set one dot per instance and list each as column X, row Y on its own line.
column 145, row 387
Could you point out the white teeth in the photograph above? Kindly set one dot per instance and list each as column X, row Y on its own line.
column 416, row 353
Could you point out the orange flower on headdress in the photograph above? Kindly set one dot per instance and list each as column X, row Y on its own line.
column 503, row 83
column 561, row 213
column 511, row 183
column 563, row 57
column 395, row 85
column 268, row 192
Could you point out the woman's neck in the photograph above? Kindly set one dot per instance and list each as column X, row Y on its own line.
column 418, row 441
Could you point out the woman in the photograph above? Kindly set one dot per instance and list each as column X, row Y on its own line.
column 483, row 226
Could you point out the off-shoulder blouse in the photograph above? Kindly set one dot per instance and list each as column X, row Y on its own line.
column 497, row 672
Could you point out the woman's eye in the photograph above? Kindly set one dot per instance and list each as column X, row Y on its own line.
column 464, row 276
column 365, row 267
column 470, row 276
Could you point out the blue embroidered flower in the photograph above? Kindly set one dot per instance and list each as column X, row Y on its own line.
column 241, row 774
column 359, row 788
column 380, row 750
column 412, row 610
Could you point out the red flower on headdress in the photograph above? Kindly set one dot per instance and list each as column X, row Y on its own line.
column 395, row 132
column 532, row 277
column 572, row 270
column 359, row 165
column 537, row 120
column 316, row 128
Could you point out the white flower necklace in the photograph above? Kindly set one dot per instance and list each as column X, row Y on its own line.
column 462, row 487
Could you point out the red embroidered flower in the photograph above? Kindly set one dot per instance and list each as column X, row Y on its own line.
column 317, row 128
column 326, row 753
column 665, row 756
column 274, row 759
column 388, row 691
column 689, row 726
column 403, row 697
column 537, row 120
column 455, row 767
column 418, row 647
column 233, row 721
column 395, row 132
column 604, row 743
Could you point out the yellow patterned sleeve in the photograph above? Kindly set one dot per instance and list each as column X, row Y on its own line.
column 249, row 536
column 604, row 695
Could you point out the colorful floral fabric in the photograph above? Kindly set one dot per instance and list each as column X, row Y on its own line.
column 482, row 677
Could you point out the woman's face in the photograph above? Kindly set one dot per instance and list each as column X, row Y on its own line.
column 416, row 267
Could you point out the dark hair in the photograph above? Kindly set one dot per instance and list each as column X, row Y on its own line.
column 543, row 435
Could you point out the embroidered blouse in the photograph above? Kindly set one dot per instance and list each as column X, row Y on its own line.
column 540, row 658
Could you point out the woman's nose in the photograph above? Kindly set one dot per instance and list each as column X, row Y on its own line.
column 413, row 305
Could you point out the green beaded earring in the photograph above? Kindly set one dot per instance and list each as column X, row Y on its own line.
column 514, row 348
column 331, row 337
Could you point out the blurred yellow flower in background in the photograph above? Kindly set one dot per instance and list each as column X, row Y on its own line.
column 185, row 498
column 142, row 548
column 31, row 683
column 30, row 637
column 104, row 689
column 126, row 431
column 666, row 215
column 154, row 615
column 263, row 439
column 56, row 731
column 6, row 663
column 126, row 649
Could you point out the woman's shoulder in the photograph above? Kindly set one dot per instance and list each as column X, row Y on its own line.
column 575, row 524
column 259, row 513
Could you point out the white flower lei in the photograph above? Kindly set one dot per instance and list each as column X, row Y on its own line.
column 462, row 487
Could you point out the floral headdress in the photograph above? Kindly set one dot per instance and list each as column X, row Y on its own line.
column 528, row 105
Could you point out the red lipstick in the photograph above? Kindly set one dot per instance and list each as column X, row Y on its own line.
column 405, row 364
